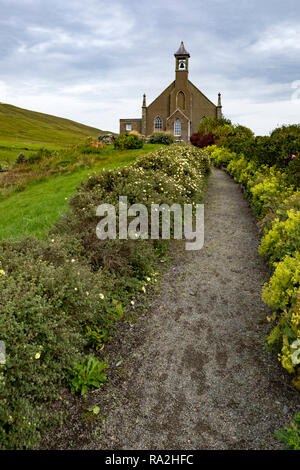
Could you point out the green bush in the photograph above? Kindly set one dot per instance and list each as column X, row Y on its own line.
column 290, row 435
column 283, row 238
column 161, row 138
column 128, row 141
column 282, row 291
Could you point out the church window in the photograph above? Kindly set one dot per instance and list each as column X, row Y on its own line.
column 158, row 124
column 177, row 127
column 128, row 127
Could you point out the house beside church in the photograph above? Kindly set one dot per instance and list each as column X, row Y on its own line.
column 178, row 109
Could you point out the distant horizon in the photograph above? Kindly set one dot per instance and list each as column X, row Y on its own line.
column 92, row 62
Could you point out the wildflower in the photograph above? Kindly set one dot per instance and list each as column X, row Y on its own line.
column 132, row 302
column 73, row 260
column 52, row 241
column 101, row 296
column 293, row 156
column 143, row 289
column 148, row 279
column 87, row 293
column 2, row 272
column 75, row 288
column 38, row 355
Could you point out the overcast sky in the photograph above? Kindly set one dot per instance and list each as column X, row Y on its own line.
column 92, row 60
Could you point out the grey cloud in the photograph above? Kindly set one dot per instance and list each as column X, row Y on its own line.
column 98, row 54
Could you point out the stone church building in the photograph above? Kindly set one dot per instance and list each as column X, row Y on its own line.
column 178, row 109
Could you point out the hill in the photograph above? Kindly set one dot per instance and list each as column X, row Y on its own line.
column 22, row 125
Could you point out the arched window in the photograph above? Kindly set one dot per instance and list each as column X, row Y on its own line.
column 158, row 124
column 177, row 127
column 181, row 100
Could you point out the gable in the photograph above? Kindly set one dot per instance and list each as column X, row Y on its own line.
column 197, row 91
column 178, row 111
column 164, row 95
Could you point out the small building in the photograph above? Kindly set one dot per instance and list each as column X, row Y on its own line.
column 178, row 109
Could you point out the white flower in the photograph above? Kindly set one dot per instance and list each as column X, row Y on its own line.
column 73, row 260
column 101, row 296
column 75, row 288
column 132, row 302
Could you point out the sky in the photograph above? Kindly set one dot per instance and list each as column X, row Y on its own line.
column 91, row 61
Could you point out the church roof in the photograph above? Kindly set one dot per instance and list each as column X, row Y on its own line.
column 181, row 50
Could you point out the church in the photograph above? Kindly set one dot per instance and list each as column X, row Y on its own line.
column 178, row 109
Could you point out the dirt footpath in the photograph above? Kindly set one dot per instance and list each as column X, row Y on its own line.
column 193, row 373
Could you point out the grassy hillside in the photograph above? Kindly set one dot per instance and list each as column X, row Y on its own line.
column 22, row 125
column 44, row 195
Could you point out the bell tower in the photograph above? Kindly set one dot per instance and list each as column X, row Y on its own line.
column 181, row 64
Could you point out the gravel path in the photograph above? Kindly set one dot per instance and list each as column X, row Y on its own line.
column 194, row 373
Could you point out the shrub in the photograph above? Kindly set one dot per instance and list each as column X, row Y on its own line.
column 287, row 130
column 199, row 140
column 39, row 155
column 293, row 171
column 282, row 294
column 161, row 138
column 21, row 158
column 208, row 125
column 282, row 291
column 269, row 191
column 283, row 238
column 128, row 141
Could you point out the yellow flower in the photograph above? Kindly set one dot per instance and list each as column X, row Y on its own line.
column 38, row 355
column 132, row 302
column 143, row 289
column 101, row 296
column 2, row 272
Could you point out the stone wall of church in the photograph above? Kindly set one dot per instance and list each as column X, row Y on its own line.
column 136, row 125
column 159, row 107
column 201, row 107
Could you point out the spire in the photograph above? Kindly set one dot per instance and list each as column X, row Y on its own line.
column 144, row 101
column 181, row 51
column 219, row 100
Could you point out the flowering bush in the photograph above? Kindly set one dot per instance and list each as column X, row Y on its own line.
column 283, row 238
column 161, row 138
column 270, row 191
column 128, row 141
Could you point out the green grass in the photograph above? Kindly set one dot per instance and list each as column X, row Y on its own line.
column 34, row 210
column 24, row 126
column 10, row 150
